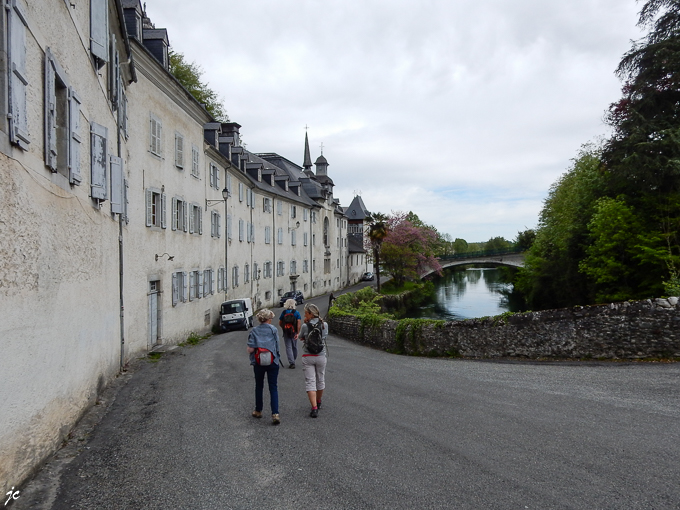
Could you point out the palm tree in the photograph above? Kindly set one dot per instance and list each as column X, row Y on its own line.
column 377, row 231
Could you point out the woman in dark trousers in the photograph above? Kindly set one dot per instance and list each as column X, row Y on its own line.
column 265, row 336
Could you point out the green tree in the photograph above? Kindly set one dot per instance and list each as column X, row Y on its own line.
column 189, row 75
column 377, row 232
column 460, row 245
column 525, row 239
column 496, row 244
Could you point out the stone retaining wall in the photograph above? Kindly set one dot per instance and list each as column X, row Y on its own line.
column 628, row 330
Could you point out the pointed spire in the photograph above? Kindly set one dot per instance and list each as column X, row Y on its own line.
column 307, row 165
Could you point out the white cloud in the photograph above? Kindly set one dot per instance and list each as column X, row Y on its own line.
column 464, row 112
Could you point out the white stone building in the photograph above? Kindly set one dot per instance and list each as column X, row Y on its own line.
column 116, row 236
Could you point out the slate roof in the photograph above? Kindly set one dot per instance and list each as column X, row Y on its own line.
column 356, row 210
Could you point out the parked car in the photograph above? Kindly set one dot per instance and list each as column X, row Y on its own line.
column 236, row 314
column 367, row 277
column 293, row 294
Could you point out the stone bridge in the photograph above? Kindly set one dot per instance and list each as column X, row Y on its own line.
column 502, row 259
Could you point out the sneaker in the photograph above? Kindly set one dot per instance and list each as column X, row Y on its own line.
column 257, row 414
column 314, row 413
column 292, row 365
column 318, row 404
column 276, row 419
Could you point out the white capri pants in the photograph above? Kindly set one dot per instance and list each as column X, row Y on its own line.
column 314, row 368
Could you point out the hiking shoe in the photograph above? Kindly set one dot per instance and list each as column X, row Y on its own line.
column 276, row 419
column 257, row 414
column 292, row 365
column 314, row 413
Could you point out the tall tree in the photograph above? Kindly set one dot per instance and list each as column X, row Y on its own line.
column 189, row 75
column 377, row 232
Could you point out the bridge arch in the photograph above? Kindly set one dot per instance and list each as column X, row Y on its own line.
column 505, row 259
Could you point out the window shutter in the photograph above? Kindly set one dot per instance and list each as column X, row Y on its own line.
column 149, row 207
column 185, row 212
column 201, row 280
column 219, row 225
column 175, row 289
column 163, row 225
column 99, row 161
column 175, row 214
column 217, row 177
column 191, row 219
column 229, row 226
column 179, row 151
column 50, row 113
column 99, row 30
column 114, row 73
column 212, row 281
column 18, row 86
column 123, row 113
column 185, row 282
column 74, row 141
column 248, row 232
column 192, row 285
column 116, row 184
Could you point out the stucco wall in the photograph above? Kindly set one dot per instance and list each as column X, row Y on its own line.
column 629, row 330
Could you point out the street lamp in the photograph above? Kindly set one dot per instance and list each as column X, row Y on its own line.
column 225, row 196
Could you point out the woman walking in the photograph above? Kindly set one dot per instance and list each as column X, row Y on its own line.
column 263, row 348
column 290, row 322
column 313, row 335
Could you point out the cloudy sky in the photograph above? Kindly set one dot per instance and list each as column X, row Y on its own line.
column 464, row 111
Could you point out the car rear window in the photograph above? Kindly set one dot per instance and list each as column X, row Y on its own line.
column 232, row 308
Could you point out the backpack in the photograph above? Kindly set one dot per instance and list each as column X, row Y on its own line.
column 264, row 357
column 314, row 340
column 289, row 323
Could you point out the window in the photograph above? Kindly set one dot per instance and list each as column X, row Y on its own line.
column 234, row 276
column 252, row 232
column 99, row 160
column 179, row 150
column 220, row 279
column 229, row 226
column 267, row 270
column 194, row 161
column 18, row 79
column 292, row 237
column 326, row 266
column 305, row 266
column 62, row 122
column 240, row 192
column 180, row 283
column 155, row 208
column 215, row 224
column 304, row 214
column 208, row 284
column 155, row 135
column 248, row 232
column 293, row 211
column 325, row 231
column 249, row 196
column 279, row 235
column 195, row 219
column 99, row 31
column 280, row 268
column 195, row 285
column 252, row 199
column 180, row 211
column 293, row 267
column 246, row 273
column 267, row 235
column 240, row 230
column 313, row 264
column 305, row 238
column 115, row 85
column 313, row 239
column 214, row 176
column 313, row 213
column 267, row 205
column 256, row 271
column 279, row 207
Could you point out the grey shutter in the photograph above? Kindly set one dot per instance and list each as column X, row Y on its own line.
column 179, row 151
column 191, row 219
column 99, row 161
column 212, row 282
column 228, row 226
column 192, row 285
column 175, row 213
column 175, row 289
column 18, row 83
column 219, row 225
column 185, row 282
column 200, row 219
column 114, row 74
column 217, row 177
column 149, row 207
column 200, row 284
column 116, row 184
column 50, row 113
column 163, row 223
column 99, row 30
column 74, row 140
column 185, row 212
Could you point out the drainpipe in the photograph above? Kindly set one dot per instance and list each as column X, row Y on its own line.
column 120, row 258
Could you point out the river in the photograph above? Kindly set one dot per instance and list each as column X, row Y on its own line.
column 469, row 292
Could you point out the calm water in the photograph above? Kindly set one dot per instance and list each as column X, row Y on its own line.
column 468, row 293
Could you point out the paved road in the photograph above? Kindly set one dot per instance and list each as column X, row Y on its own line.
column 395, row 432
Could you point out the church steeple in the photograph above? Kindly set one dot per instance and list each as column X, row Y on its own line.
column 307, row 165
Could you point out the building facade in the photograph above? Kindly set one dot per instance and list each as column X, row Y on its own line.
column 116, row 234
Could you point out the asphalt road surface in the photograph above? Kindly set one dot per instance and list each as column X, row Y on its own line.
column 394, row 432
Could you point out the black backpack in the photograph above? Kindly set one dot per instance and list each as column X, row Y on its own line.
column 314, row 340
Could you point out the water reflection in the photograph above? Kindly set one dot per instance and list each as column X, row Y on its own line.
column 465, row 293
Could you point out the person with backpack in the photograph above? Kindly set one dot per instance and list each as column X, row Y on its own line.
column 313, row 335
column 263, row 348
column 290, row 321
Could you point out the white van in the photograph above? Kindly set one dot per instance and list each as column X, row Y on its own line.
column 236, row 314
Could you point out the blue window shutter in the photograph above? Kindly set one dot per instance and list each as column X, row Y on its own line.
column 174, row 213
column 50, row 113
column 116, row 184
column 99, row 30
column 149, row 207
column 175, row 289
column 163, row 222
column 75, row 140
column 98, row 161
column 18, row 81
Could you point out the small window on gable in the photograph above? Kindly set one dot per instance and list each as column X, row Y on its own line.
column 155, row 135
column 179, row 150
column 18, row 78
